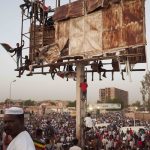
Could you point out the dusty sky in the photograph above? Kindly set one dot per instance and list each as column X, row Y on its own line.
column 40, row 87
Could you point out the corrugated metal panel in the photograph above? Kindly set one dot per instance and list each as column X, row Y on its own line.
column 118, row 27
column 53, row 54
column 85, row 35
column 49, row 35
column 62, row 33
column 112, row 27
column 132, row 11
column 123, row 25
column 133, row 22
column 72, row 10
column 93, row 5
column 137, row 55
column 112, row 18
column 115, row 1
column 61, row 13
column 111, row 39
column 133, row 34
column 41, row 37
column 76, row 9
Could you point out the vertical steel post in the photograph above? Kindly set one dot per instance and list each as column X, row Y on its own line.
column 80, row 105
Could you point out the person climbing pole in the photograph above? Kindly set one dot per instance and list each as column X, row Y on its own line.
column 83, row 86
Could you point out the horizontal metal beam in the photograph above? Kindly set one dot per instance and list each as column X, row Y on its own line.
column 90, row 71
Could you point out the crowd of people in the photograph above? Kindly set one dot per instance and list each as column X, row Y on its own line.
column 111, row 137
column 56, row 131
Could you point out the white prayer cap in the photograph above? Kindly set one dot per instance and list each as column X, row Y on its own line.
column 14, row 111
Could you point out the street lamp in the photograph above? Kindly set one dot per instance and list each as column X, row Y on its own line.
column 10, row 88
column 135, row 109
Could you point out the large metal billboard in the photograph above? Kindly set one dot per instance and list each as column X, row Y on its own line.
column 97, row 27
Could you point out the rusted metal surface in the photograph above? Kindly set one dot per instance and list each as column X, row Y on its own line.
column 133, row 34
column 48, row 35
column 41, row 37
column 111, row 39
column 115, row 1
column 118, row 25
column 132, row 11
column 135, row 55
column 76, row 9
column 62, row 33
column 93, row 5
column 61, row 13
column 72, row 10
column 133, row 22
column 65, row 50
column 123, row 25
column 112, row 18
column 112, row 31
column 140, row 52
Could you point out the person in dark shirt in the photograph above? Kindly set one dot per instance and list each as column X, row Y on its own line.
column 26, row 5
column 18, row 53
column 115, row 66
column 25, row 67
column 53, row 71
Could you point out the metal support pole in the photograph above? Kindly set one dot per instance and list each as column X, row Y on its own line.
column 135, row 116
column 10, row 92
column 58, row 3
column 10, row 88
column 80, row 105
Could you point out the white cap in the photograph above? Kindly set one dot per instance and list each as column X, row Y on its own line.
column 14, row 111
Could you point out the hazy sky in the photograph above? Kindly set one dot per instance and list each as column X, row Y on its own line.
column 40, row 87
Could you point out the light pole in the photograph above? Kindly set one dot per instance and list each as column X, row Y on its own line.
column 10, row 89
column 134, row 115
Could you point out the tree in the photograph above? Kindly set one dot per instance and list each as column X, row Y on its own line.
column 8, row 102
column 71, row 104
column 28, row 103
column 53, row 103
column 145, row 90
column 137, row 104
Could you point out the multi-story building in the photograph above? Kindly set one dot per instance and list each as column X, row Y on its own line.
column 112, row 93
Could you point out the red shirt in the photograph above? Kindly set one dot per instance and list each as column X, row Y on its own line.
column 83, row 86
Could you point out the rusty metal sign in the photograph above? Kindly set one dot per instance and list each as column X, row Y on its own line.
column 123, row 25
column 96, row 27
column 72, row 10
column 92, row 5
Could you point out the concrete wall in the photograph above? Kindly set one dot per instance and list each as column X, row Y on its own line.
column 138, row 115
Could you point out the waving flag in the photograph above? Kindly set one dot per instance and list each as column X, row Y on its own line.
column 7, row 47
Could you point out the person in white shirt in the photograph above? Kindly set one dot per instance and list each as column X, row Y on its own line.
column 75, row 145
column 14, row 126
column 88, row 122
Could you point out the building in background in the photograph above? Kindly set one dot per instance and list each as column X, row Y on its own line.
column 111, row 94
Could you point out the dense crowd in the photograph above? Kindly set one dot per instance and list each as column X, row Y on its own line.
column 56, row 131
column 111, row 137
